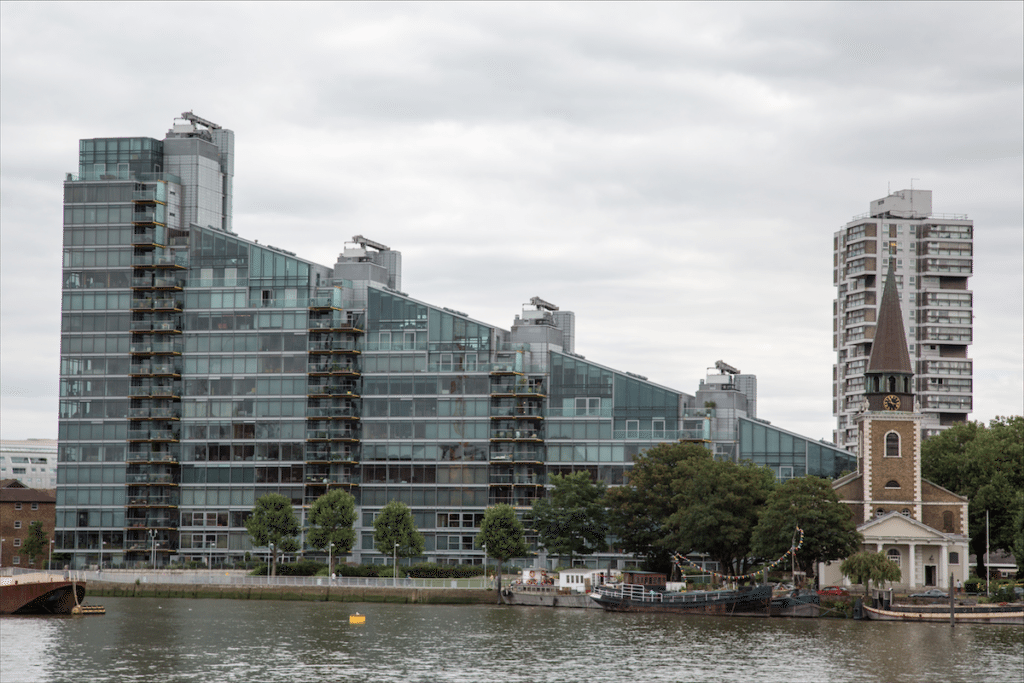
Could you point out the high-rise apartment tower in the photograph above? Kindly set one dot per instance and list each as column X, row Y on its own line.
column 933, row 262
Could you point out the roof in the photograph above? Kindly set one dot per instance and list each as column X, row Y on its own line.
column 906, row 527
column 13, row 491
column 889, row 349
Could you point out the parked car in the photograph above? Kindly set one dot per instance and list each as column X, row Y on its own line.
column 836, row 591
column 931, row 593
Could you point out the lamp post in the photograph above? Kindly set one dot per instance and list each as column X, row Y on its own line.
column 152, row 548
column 2, row 551
column 49, row 561
column 394, row 569
column 272, row 558
column 102, row 543
column 330, row 560
column 484, row 546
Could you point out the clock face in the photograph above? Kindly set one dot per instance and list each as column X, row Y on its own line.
column 891, row 402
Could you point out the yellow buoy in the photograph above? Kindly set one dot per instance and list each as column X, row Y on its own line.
column 356, row 618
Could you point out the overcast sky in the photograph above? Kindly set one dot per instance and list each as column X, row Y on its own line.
column 673, row 173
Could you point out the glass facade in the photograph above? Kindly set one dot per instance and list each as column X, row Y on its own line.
column 201, row 371
column 791, row 455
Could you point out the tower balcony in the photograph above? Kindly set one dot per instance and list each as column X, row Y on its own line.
column 332, row 452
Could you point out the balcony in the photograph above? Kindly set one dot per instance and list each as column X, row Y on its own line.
column 154, row 370
column 524, row 455
column 158, row 326
column 325, row 452
column 161, row 479
column 343, row 369
column 334, row 389
column 153, row 435
column 154, row 500
column 334, row 346
column 147, row 413
column 151, row 521
column 516, row 435
column 659, row 434
column 161, row 455
column 348, row 412
column 332, row 435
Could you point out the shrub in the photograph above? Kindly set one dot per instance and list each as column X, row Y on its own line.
column 429, row 570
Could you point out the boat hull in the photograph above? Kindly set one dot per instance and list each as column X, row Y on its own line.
column 553, row 597
column 745, row 601
column 797, row 603
column 40, row 597
column 965, row 614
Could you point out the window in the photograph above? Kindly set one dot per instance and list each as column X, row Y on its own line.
column 17, row 524
column 35, row 506
column 892, row 484
column 17, row 559
column 905, row 512
column 879, row 512
column 17, row 542
column 892, row 446
column 17, row 506
column 954, row 558
column 947, row 522
column 893, row 555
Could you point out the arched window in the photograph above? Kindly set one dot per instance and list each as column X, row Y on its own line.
column 892, row 484
column 892, row 445
column 905, row 512
column 947, row 522
column 892, row 384
column 879, row 512
column 893, row 555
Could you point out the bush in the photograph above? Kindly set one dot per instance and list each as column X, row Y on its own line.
column 974, row 585
column 429, row 570
column 300, row 568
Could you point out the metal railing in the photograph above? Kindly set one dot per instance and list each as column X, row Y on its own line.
column 221, row 578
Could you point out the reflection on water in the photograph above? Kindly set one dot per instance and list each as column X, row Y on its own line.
column 226, row 640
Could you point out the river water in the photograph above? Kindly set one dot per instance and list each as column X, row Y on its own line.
column 170, row 640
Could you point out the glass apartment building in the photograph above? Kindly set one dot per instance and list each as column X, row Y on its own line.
column 201, row 371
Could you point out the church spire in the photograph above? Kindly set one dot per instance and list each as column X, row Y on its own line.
column 890, row 374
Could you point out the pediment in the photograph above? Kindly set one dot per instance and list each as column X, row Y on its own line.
column 896, row 525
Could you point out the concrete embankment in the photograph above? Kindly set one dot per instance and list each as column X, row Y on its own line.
column 431, row 596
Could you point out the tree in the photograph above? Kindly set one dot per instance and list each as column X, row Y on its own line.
column 865, row 567
column 986, row 465
column 1018, row 534
column 572, row 520
column 36, row 542
column 331, row 518
column 638, row 511
column 811, row 504
column 273, row 521
column 502, row 533
column 717, row 511
column 394, row 526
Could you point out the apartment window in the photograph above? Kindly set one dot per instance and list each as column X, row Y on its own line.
column 879, row 512
column 17, row 541
column 905, row 511
column 16, row 560
column 588, row 406
column 632, row 429
column 35, row 506
column 17, row 524
column 17, row 506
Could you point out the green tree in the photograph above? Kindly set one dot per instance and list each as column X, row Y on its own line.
column 502, row 533
column 394, row 526
column 639, row 510
column 986, row 465
column 866, row 567
column 1018, row 534
column 572, row 520
column 36, row 542
column 331, row 518
column 812, row 504
column 273, row 521
column 717, row 510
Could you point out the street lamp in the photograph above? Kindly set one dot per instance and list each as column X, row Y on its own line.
column 152, row 548
column 272, row 558
column 2, row 551
column 49, row 562
column 330, row 559
column 394, row 569
column 484, row 546
column 102, row 543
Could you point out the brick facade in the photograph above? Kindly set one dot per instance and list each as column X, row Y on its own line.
column 19, row 507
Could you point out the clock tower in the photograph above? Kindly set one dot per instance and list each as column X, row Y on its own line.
column 888, row 381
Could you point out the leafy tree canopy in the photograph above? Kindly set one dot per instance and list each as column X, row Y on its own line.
column 716, row 511
column 331, row 518
column 36, row 542
column 812, row 504
column 985, row 464
column 503, row 534
column 866, row 567
column 273, row 521
column 393, row 525
column 572, row 520
column 638, row 511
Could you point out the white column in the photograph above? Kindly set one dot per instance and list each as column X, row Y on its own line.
column 944, row 566
column 911, row 566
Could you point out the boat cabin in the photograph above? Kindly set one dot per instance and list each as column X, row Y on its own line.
column 649, row 580
column 582, row 580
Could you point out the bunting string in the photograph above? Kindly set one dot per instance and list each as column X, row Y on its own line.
column 679, row 561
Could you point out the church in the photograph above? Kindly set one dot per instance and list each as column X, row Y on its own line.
column 919, row 525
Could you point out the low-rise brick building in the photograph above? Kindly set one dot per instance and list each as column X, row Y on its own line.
column 19, row 507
